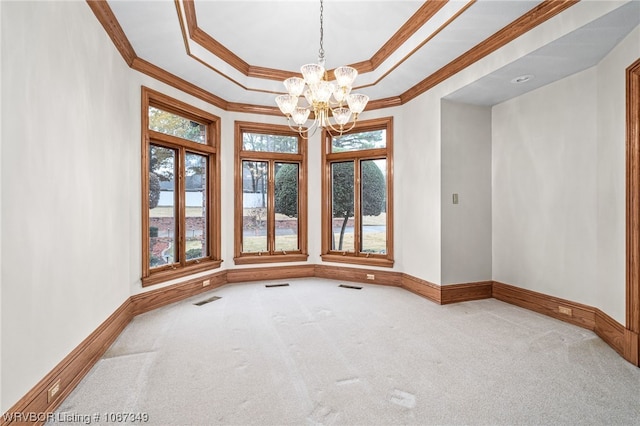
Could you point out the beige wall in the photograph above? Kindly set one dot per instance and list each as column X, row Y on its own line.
column 559, row 186
column 466, row 171
column 70, row 145
column 544, row 194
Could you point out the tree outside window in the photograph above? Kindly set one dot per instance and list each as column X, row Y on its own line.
column 270, row 194
column 180, row 186
column 357, row 195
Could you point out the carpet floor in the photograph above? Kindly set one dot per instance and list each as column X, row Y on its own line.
column 315, row 353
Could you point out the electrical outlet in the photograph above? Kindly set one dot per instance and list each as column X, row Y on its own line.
column 371, row 277
column 53, row 391
column 564, row 310
column 206, row 283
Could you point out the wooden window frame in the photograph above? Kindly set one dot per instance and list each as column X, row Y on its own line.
column 210, row 149
column 328, row 157
column 243, row 258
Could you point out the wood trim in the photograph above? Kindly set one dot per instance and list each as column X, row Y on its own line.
column 632, row 286
column 383, row 103
column 413, row 24
column 528, row 21
column 270, row 273
column 270, row 258
column 389, row 278
column 103, row 12
column 581, row 315
column 419, row 46
column 376, row 260
column 609, row 330
column 633, row 196
column 210, row 149
column 271, row 158
column 421, row 287
column 78, row 363
column 327, row 253
column 421, row 17
column 631, row 347
column 166, row 77
column 254, row 109
column 208, row 42
column 464, row 292
column 72, row 369
column 157, row 298
column 536, row 16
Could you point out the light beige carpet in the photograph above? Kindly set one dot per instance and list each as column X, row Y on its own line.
column 315, row 353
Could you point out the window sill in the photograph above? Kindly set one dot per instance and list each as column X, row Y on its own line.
column 359, row 260
column 270, row 258
column 170, row 274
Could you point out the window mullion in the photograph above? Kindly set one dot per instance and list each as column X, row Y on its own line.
column 181, row 222
column 357, row 208
column 210, row 218
column 271, row 216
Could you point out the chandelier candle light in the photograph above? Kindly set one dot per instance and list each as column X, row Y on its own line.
column 327, row 99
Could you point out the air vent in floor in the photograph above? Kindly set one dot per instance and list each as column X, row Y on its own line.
column 205, row 301
column 277, row 285
column 355, row 287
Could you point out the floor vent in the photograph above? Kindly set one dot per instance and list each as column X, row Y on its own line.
column 205, row 301
column 277, row 285
column 355, row 287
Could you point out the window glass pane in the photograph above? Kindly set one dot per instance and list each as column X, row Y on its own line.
column 342, row 206
column 162, row 205
column 269, row 143
column 286, row 207
column 360, row 141
column 373, row 181
column 254, row 205
column 196, row 206
column 175, row 125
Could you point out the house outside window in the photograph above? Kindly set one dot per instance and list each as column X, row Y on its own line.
column 180, row 189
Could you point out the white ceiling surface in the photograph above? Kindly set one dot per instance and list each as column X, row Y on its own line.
column 577, row 51
column 286, row 34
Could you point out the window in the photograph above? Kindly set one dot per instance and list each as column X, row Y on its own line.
column 271, row 194
column 180, row 189
column 357, row 192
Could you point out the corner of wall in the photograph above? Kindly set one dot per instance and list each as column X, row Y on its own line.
column 466, row 194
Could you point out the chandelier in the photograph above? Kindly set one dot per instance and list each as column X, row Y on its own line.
column 332, row 102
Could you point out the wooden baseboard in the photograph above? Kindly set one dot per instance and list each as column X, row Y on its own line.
column 422, row 287
column 78, row 363
column 445, row 294
column 269, row 273
column 464, row 292
column 564, row 310
column 367, row 276
column 154, row 299
column 632, row 347
column 33, row 407
column 609, row 330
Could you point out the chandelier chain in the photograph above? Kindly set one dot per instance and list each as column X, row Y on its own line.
column 321, row 51
column 335, row 109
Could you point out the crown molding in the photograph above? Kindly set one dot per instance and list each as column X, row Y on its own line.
column 528, row 21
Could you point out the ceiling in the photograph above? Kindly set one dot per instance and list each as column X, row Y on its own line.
column 240, row 51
